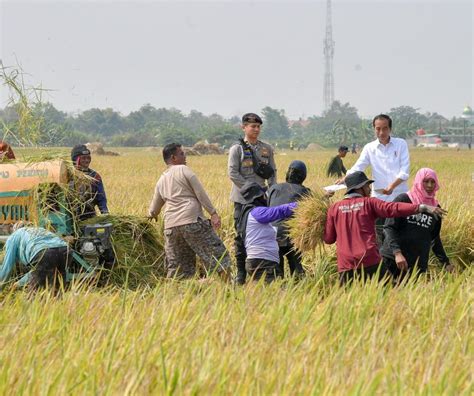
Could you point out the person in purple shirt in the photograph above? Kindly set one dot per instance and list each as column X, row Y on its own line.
column 259, row 236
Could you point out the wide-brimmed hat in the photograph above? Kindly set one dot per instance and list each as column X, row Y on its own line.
column 251, row 191
column 356, row 180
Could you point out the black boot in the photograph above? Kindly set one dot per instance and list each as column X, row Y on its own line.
column 240, row 257
column 241, row 273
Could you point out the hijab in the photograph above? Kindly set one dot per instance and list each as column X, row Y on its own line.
column 418, row 194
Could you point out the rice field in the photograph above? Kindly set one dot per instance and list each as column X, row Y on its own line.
column 310, row 337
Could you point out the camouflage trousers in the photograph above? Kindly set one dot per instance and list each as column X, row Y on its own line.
column 183, row 243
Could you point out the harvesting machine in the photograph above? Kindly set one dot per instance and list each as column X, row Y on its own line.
column 21, row 200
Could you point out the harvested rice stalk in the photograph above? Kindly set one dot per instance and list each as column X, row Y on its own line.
column 62, row 198
column 308, row 223
column 138, row 248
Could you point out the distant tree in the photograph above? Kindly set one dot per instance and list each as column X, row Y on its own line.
column 406, row 120
column 235, row 120
column 436, row 122
column 342, row 112
column 134, row 140
column 275, row 124
column 224, row 135
column 176, row 135
column 105, row 122
column 339, row 125
column 50, row 114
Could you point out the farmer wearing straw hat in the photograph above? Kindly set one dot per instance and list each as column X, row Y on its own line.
column 45, row 253
column 351, row 225
column 408, row 240
column 283, row 193
column 259, row 236
column 187, row 232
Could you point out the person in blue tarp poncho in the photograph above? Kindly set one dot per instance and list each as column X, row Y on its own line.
column 44, row 253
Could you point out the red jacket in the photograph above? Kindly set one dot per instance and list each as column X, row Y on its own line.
column 351, row 223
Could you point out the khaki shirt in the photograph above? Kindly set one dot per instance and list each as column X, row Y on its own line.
column 184, row 196
column 240, row 168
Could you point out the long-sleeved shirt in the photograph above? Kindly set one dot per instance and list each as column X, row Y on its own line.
column 389, row 162
column 282, row 193
column 336, row 167
column 260, row 237
column 184, row 196
column 92, row 194
column 23, row 245
column 351, row 224
column 240, row 167
column 414, row 236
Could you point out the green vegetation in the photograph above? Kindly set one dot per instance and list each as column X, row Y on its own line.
column 27, row 120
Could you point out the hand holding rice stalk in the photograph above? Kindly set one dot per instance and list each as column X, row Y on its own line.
column 309, row 221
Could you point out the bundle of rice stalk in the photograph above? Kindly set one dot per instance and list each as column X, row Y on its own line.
column 138, row 248
column 68, row 197
column 137, row 243
column 308, row 222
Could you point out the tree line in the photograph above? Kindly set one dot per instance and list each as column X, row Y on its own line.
column 150, row 126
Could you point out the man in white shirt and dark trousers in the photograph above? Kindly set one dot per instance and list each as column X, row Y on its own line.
column 390, row 161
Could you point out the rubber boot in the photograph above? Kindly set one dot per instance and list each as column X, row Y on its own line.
column 241, row 272
column 240, row 257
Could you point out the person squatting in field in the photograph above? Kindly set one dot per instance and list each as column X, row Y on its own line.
column 408, row 240
column 284, row 193
column 187, row 232
column 351, row 224
column 249, row 160
column 44, row 253
column 259, row 236
column 389, row 159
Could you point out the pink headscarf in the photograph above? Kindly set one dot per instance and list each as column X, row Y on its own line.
column 418, row 194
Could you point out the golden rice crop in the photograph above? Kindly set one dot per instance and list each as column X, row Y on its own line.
column 138, row 248
column 309, row 221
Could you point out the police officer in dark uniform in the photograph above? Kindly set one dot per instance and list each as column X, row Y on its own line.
column 290, row 191
column 249, row 160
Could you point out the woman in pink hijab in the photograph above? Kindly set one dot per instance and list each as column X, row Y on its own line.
column 408, row 240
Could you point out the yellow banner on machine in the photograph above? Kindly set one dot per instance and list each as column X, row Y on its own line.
column 17, row 180
column 16, row 208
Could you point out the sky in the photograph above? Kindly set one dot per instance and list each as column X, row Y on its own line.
column 232, row 57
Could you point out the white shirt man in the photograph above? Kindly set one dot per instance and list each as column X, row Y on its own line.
column 389, row 159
